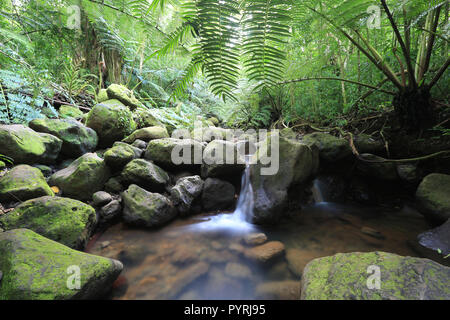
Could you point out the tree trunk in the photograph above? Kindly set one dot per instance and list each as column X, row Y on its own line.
column 413, row 108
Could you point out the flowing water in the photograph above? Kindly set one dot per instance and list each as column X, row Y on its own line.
column 204, row 256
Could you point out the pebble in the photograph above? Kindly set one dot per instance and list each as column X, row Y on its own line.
column 254, row 239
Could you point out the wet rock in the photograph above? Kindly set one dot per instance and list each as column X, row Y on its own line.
column 147, row 134
column 114, row 185
column 184, row 255
column 297, row 164
column 26, row 257
column 365, row 143
column 236, row 247
column 124, row 95
column 209, row 134
column 433, row 197
column 132, row 254
column 184, row 151
column 185, row 192
column 331, row 149
column 112, row 121
column 110, row 211
column 278, row 290
column 118, row 156
column 437, row 239
column 101, row 198
column 344, row 276
column 23, row 183
column 297, row 261
column 373, row 233
column 237, row 270
column 185, row 277
column 77, row 139
column 265, row 252
column 145, row 209
column 222, row 287
column 140, row 144
column 27, row 146
column 378, row 170
column 254, row 239
column 82, row 178
column 64, row 220
column 145, row 174
column 218, row 195
column 221, row 159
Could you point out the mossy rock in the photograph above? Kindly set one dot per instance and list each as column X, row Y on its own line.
column 184, row 151
column 365, row 143
column 77, row 139
column 222, row 159
column 124, row 95
column 119, row 155
column 82, row 178
column 185, row 192
column 345, row 276
column 331, row 149
column 375, row 167
column 433, row 197
column 146, row 209
column 37, row 268
column 27, row 146
column 214, row 121
column 210, row 133
column 64, row 220
column 144, row 118
column 102, row 96
column 70, row 112
column 22, row 183
column 145, row 174
column 112, row 121
column 147, row 134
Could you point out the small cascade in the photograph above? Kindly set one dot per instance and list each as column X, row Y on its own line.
column 244, row 208
column 317, row 191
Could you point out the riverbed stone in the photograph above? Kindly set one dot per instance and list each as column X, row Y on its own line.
column 82, row 178
column 26, row 146
column 112, row 121
column 331, row 148
column 64, row 220
column 77, row 139
column 297, row 164
column 265, row 252
column 238, row 270
column 146, row 209
column 278, row 290
column 254, row 239
column 344, row 276
column 110, row 211
column 218, row 195
column 433, row 197
column 145, row 174
column 114, row 185
column 186, row 191
column 100, row 198
column 147, row 134
column 36, row 268
column 119, row 156
column 22, row 183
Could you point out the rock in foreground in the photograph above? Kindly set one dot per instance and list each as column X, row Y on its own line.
column 36, row 268
column 344, row 276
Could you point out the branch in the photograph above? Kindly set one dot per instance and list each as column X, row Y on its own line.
column 439, row 73
column 338, row 79
column 402, row 44
column 406, row 160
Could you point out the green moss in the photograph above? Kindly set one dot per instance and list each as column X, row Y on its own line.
column 70, row 112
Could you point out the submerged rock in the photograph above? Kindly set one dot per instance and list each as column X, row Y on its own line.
column 433, row 197
column 265, row 252
column 297, row 164
column 36, row 268
column 27, row 146
column 278, row 290
column 82, row 178
column 254, row 239
column 345, row 276
column 64, row 220
column 147, row 134
column 238, row 270
column 185, row 192
column 146, row 209
column 218, row 195
column 145, row 174
column 77, row 139
column 112, row 121
column 22, row 183
column 331, row 149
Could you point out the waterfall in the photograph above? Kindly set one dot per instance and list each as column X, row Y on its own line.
column 244, row 208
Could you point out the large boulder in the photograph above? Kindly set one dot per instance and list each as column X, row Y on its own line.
column 147, row 134
column 365, row 143
column 297, row 163
column 120, row 155
column 36, row 268
column 347, row 276
column 221, row 159
column 64, row 220
column 331, row 149
column 145, row 174
column 124, row 95
column 112, row 121
column 433, row 197
column 186, row 191
column 82, row 178
column 146, row 209
column 27, row 146
column 187, row 153
column 375, row 167
column 22, row 183
column 218, row 195
column 77, row 138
